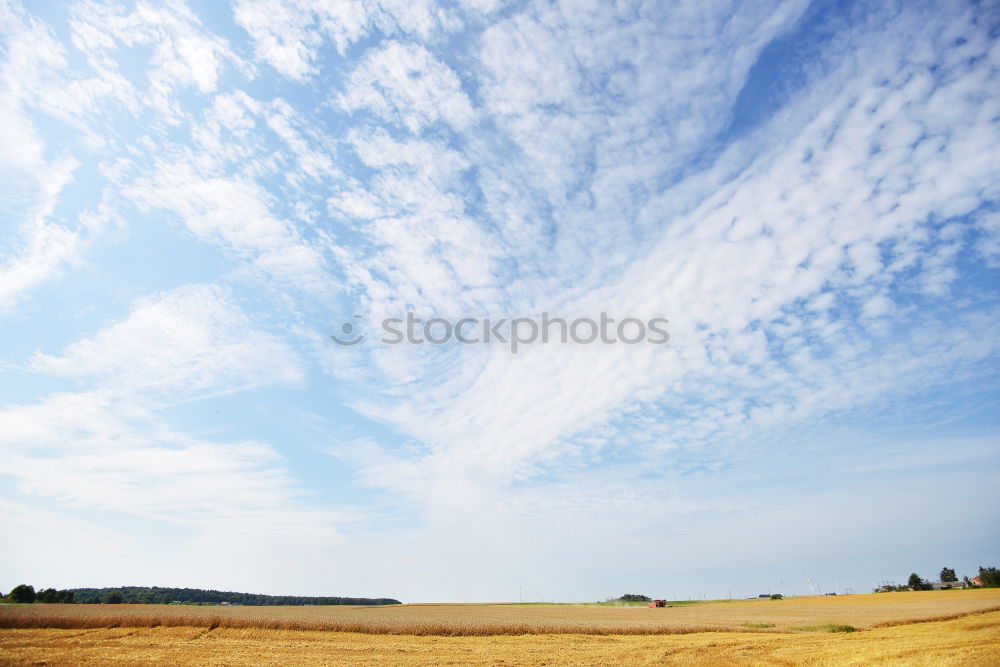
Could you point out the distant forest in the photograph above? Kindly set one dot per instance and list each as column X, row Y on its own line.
column 158, row 595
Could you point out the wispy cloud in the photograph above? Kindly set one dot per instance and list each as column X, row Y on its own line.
column 189, row 340
column 791, row 280
column 109, row 446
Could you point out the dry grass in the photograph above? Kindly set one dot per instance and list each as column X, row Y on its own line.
column 858, row 611
column 972, row 640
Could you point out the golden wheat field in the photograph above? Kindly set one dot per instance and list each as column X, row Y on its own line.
column 933, row 628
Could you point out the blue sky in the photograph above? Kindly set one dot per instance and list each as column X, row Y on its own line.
column 195, row 196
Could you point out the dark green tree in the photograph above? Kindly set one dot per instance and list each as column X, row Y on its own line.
column 114, row 597
column 990, row 576
column 915, row 582
column 948, row 574
column 24, row 594
column 48, row 595
column 634, row 597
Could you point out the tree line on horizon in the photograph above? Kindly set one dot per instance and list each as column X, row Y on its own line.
column 25, row 593
column 989, row 576
column 635, row 597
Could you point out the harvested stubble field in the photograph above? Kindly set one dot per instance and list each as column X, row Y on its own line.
column 946, row 627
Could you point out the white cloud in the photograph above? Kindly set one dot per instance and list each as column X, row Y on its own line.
column 203, row 343
column 803, row 213
column 406, row 84
column 424, row 19
column 37, row 74
column 107, row 446
column 90, row 453
column 234, row 213
column 312, row 162
column 287, row 34
column 427, row 249
column 183, row 55
column 44, row 247
column 40, row 246
column 988, row 245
